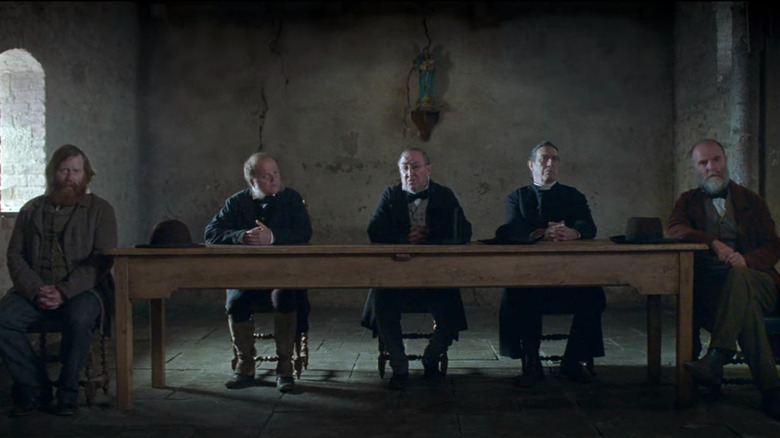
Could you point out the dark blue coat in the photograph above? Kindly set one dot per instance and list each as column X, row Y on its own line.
column 286, row 217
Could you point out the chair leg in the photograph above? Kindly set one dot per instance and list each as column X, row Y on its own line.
column 89, row 381
column 305, row 350
column 381, row 359
column 105, row 379
column 297, row 359
column 92, row 378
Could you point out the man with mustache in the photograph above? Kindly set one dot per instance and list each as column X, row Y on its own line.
column 416, row 211
column 553, row 212
column 58, row 273
column 735, row 283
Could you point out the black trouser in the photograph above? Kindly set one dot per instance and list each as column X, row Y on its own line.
column 520, row 319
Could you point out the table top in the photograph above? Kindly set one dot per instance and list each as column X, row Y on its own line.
column 472, row 248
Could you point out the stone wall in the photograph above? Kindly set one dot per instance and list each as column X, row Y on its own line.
column 327, row 95
column 89, row 55
column 168, row 99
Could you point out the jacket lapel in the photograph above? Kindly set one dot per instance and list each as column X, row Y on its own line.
column 401, row 208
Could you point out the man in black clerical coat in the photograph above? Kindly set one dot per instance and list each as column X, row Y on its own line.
column 416, row 211
column 554, row 212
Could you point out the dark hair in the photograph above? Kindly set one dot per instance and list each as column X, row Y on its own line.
column 425, row 155
column 61, row 154
column 705, row 140
column 532, row 155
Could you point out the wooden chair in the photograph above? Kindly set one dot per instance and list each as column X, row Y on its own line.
column 301, row 346
column 300, row 356
column 556, row 357
column 561, row 337
column 383, row 355
column 94, row 377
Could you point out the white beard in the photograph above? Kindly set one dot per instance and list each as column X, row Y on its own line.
column 715, row 184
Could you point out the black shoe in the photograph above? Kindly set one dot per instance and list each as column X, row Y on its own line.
column 67, row 407
column 574, row 371
column 398, row 381
column 432, row 375
column 533, row 372
column 527, row 380
column 67, row 402
column 24, row 406
column 708, row 371
column 770, row 403
column 285, row 383
column 240, row 381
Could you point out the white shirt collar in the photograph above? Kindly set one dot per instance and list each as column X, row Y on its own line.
column 544, row 187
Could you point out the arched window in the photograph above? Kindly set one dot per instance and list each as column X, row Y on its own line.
column 22, row 129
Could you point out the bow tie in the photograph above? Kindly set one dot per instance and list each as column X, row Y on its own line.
column 721, row 194
column 411, row 197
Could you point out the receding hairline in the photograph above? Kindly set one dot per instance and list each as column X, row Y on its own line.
column 532, row 154
column 251, row 163
column 426, row 158
column 705, row 141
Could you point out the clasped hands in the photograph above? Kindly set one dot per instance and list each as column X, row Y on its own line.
column 49, row 297
column 727, row 255
column 557, row 232
column 417, row 233
column 259, row 235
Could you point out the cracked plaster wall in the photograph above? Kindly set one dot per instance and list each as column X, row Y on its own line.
column 89, row 55
column 332, row 102
column 622, row 92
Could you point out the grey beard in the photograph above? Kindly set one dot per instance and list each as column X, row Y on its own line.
column 715, row 184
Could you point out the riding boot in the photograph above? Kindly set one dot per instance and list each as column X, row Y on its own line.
column 285, row 325
column 243, row 337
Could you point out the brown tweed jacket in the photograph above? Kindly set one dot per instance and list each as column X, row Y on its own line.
column 757, row 238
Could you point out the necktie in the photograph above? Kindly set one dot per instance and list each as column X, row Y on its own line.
column 719, row 200
column 411, row 197
column 720, row 205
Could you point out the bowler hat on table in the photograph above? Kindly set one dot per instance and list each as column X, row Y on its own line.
column 171, row 233
column 643, row 230
column 506, row 236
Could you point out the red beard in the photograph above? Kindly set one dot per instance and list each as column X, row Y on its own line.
column 68, row 193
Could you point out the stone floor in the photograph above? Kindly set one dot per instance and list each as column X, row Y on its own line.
column 341, row 394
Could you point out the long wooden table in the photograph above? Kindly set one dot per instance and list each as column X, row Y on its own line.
column 654, row 270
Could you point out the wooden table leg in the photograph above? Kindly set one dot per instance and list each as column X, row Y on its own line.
column 654, row 338
column 123, row 336
column 684, row 329
column 157, row 327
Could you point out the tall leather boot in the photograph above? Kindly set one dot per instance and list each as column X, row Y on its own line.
column 285, row 326
column 243, row 337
